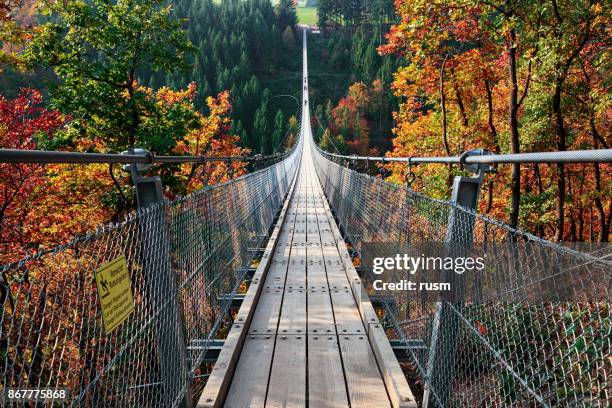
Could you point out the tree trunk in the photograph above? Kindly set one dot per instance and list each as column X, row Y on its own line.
column 572, row 219
column 489, row 197
column 514, row 132
column 580, row 206
column 492, row 127
column 134, row 111
column 601, row 213
column 561, row 146
column 461, row 106
column 540, row 184
column 449, row 180
column 591, row 231
column 443, row 107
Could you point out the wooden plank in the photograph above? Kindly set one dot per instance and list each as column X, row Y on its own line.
column 248, row 389
column 320, row 314
column 282, row 251
column 287, row 388
column 368, row 314
column 299, row 259
column 336, row 276
column 363, row 379
column 326, row 387
column 399, row 392
column 286, row 233
column 267, row 312
column 296, row 277
column 317, row 276
column 346, row 314
column 276, row 275
column 293, row 313
column 296, row 274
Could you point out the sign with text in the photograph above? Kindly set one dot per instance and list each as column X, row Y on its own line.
column 114, row 293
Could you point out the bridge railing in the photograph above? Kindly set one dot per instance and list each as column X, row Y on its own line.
column 183, row 258
column 534, row 331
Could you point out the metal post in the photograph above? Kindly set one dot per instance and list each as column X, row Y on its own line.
column 445, row 327
column 161, row 284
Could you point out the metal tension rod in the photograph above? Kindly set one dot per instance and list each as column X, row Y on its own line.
column 41, row 156
column 575, row 156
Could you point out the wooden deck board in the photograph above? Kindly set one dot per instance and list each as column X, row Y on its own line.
column 287, row 387
column 346, row 313
column 364, row 382
column 267, row 312
column 320, row 313
column 326, row 387
column 248, row 389
column 293, row 313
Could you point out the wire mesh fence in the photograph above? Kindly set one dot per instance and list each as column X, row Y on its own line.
column 539, row 335
column 184, row 258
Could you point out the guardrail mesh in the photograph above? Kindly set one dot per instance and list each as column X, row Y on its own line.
column 514, row 349
column 184, row 258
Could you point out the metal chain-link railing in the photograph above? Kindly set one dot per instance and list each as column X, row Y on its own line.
column 515, row 347
column 185, row 260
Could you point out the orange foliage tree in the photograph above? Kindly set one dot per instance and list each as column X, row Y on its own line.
column 212, row 138
column 512, row 77
column 43, row 205
column 23, row 121
column 348, row 124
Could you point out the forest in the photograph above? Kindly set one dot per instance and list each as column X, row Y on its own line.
column 404, row 78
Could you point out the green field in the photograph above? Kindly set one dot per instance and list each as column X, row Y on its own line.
column 307, row 15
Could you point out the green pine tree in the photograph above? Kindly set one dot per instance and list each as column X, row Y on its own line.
column 286, row 15
column 279, row 132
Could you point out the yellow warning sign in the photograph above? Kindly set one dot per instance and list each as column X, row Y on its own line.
column 114, row 292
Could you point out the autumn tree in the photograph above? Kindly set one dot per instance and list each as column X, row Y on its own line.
column 293, row 131
column 568, row 27
column 508, row 76
column 97, row 48
column 43, row 205
column 213, row 138
column 347, row 125
column 23, row 121
column 11, row 33
column 589, row 92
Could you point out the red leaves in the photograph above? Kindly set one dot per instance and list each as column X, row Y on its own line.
column 45, row 205
column 21, row 120
column 24, row 117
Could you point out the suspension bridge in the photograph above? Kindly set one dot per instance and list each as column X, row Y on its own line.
column 309, row 330
column 308, row 333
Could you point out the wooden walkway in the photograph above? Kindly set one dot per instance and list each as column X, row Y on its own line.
column 306, row 335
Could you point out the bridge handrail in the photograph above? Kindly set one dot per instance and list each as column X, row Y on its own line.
column 570, row 156
column 45, row 156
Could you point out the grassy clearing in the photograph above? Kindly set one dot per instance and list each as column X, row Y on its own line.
column 307, row 15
